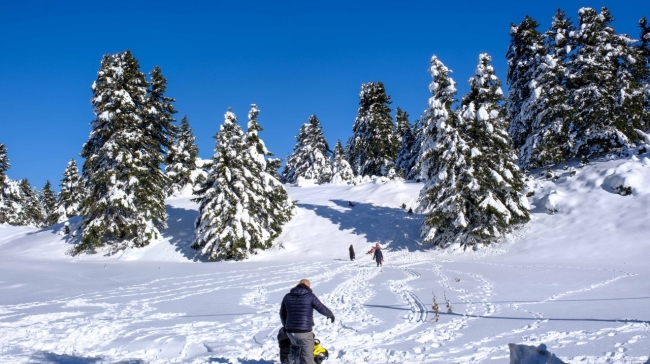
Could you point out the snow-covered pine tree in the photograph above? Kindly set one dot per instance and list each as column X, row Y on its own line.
column 271, row 164
column 546, row 111
column 604, row 95
column 404, row 161
column 232, row 220
column 277, row 208
column 31, row 212
column 443, row 95
column 644, row 68
column 524, row 55
column 341, row 170
column 487, row 199
column 124, row 201
column 8, row 191
column 444, row 197
column 415, row 171
column 4, row 163
column 72, row 192
column 558, row 40
column 181, row 159
column 47, row 198
column 372, row 149
column 311, row 155
column 272, row 167
column 630, row 98
column 160, row 132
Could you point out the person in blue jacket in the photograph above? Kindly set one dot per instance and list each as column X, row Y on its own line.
column 297, row 316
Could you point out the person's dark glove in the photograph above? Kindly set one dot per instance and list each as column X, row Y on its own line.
column 331, row 318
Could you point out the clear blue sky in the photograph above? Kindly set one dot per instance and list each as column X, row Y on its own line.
column 291, row 58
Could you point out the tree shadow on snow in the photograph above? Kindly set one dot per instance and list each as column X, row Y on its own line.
column 408, row 308
column 57, row 229
column 241, row 361
column 388, row 226
column 52, row 358
column 180, row 231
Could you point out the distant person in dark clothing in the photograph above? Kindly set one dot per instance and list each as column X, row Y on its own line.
column 350, row 204
column 297, row 316
column 351, row 252
column 403, row 206
column 410, row 211
column 379, row 257
column 285, row 346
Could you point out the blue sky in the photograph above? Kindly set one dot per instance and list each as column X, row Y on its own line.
column 291, row 58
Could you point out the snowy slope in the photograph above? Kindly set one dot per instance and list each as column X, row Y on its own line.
column 575, row 279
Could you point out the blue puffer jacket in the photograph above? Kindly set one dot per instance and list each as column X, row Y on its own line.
column 297, row 309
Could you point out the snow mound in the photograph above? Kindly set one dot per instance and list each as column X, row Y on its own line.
column 629, row 178
column 553, row 201
column 304, row 182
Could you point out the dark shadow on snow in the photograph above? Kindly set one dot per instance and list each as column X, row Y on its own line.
column 241, row 361
column 406, row 308
column 222, row 314
column 391, row 227
column 57, row 229
column 218, row 360
column 180, row 231
column 52, row 358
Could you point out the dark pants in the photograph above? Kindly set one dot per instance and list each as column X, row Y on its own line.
column 305, row 342
column 352, row 255
column 285, row 346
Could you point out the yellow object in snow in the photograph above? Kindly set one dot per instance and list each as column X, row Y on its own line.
column 320, row 353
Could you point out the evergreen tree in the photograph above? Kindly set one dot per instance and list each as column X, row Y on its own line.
column 270, row 165
column 31, row 212
column 159, row 133
column 8, row 191
column 4, row 163
column 276, row 209
column 605, row 95
column 160, row 129
column 47, row 199
column 72, row 192
column 372, row 149
column 10, row 202
column 404, row 161
column 124, row 201
column 415, row 172
column 444, row 197
column 546, row 111
column 310, row 157
column 474, row 195
column 443, row 95
column 524, row 55
column 253, row 128
column 643, row 68
column 235, row 211
column 341, row 170
column 181, row 159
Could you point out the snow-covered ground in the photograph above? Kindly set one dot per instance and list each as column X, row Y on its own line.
column 576, row 279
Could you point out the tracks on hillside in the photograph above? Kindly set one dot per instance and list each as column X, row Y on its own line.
column 382, row 317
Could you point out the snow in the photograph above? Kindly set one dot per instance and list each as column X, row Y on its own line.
column 575, row 280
